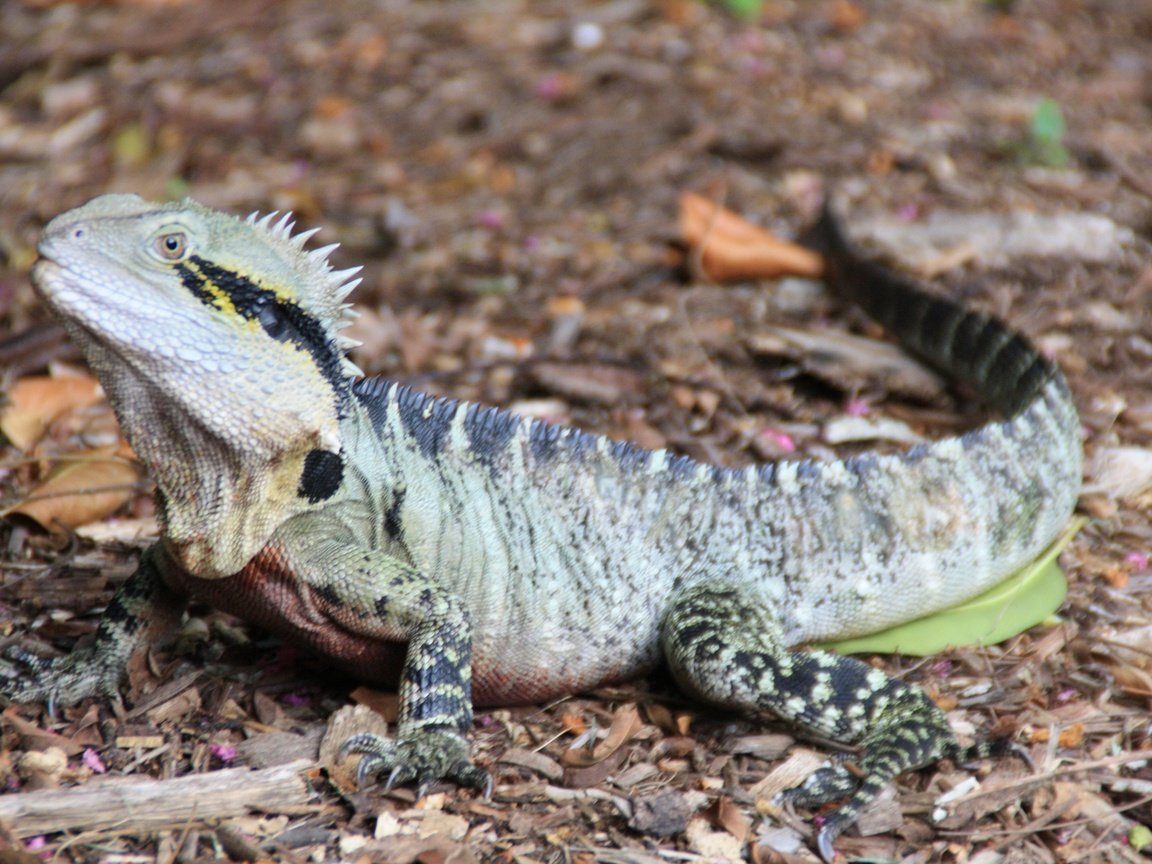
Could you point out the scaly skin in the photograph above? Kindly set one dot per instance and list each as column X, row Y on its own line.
column 517, row 560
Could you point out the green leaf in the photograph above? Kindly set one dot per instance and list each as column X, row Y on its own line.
column 1047, row 123
column 744, row 8
column 1044, row 144
column 1024, row 599
column 1140, row 837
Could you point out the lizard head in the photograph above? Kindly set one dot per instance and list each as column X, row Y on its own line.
column 216, row 338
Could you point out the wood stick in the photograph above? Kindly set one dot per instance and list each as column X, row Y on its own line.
column 131, row 806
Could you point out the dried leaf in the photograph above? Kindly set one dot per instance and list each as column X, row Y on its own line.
column 846, row 15
column 724, row 814
column 792, row 772
column 85, row 488
column 34, row 402
column 851, row 362
column 731, row 248
column 543, row 765
column 625, row 723
column 1132, row 680
column 126, row 531
column 385, row 703
column 844, row 429
column 35, row 738
column 1121, row 472
column 573, row 722
column 592, row 382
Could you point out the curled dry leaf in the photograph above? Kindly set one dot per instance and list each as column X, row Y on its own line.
column 727, row 815
column 34, row 402
column 625, row 723
column 731, row 248
column 86, row 487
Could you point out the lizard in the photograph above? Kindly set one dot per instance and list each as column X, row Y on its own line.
column 471, row 556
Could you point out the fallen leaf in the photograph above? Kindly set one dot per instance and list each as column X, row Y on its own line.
column 846, row 16
column 34, row 402
column 850, row 362
column 573, row 722
column 1132, row 680
column 732, row 249
column 384, row 703
column 1020, row 601
column 591, row 382
column 788, row 774
column 84, row 488
column 625, row 723
column 533, row 761
column 35, row 738
column 724, row 814
column 844, row 429
column 1121, row 472
column 126, row 531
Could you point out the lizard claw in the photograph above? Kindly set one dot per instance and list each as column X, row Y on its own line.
column 824, row 845
column 421, row 758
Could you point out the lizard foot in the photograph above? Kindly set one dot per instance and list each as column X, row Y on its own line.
column 832, row 783
column 63, row 680
column 421, row 758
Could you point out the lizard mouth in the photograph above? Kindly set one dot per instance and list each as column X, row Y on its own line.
column 46, row 275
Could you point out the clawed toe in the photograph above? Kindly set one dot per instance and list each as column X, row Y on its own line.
column 420, row 759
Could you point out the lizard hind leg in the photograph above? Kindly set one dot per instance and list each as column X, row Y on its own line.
column 726, row 648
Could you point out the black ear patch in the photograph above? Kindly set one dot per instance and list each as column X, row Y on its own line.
column 323, row 472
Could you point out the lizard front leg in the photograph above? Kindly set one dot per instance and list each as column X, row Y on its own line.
column 142, row 605
column 378, row 596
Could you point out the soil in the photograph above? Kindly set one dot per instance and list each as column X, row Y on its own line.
column 508, row 174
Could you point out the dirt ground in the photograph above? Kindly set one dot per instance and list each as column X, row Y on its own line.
column 508, row 174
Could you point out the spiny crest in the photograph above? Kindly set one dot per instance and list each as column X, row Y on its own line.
column 322, row 290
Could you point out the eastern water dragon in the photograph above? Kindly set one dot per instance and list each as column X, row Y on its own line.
column 476, row 557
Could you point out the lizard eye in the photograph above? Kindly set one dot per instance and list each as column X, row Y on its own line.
column 171, row 247
column 273, row 321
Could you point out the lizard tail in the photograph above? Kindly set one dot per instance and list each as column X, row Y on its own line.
column 971, row 347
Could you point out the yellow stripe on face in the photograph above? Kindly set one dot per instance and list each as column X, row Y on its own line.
column 273, row 309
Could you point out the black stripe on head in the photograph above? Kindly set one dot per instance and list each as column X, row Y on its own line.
column 283, row 320
column 195, row 283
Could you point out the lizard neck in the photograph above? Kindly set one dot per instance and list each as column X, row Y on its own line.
column 219, row 501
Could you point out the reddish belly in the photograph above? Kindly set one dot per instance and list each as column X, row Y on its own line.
column 267, row 594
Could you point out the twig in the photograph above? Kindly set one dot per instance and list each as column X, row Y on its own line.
column 156, row 805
